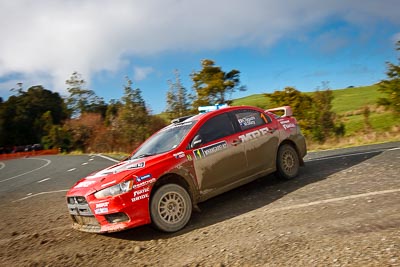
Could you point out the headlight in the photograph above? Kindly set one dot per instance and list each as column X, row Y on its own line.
column 115, row 189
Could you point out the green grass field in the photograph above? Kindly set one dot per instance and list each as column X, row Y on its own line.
column 345, row 100
column 348, row 105
column 257, row 100
column 351, row 99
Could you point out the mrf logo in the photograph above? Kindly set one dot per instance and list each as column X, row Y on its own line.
column 253, row 135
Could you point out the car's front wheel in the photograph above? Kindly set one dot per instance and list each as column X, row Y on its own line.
column 170, row 208
column 288, row 163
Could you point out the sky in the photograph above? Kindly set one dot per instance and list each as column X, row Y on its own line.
column 306, row 44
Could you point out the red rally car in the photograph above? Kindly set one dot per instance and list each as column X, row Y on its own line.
column 189, row 161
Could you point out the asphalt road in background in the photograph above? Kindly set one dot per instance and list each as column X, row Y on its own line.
column 343, row 210
column 24, row 177
column 28, row 177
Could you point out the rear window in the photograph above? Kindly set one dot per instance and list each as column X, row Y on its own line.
column 249, row 119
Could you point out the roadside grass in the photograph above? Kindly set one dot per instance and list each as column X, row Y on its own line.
column 348, row 104
column 379, row 122
column 257, row 100
column 352, row 141
column 352, row 99
column 116, row 155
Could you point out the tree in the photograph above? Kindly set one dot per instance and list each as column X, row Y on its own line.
column 177, row 98
column 80, row 99
column 366, row 113
column 313, row 112
column 391, row 86
column 300, row 103
column 214, row 86
column 58, row 137
column 325, row 120
column 133, row 117
column 24, row 117
column 82, row 130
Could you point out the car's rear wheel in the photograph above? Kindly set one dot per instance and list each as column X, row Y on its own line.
column 170, row 208
column 288, row 163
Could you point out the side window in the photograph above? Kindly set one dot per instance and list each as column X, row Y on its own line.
column 216, row 128
column 249, row 119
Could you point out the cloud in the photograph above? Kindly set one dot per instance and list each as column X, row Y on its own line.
column 53, row 38
column 141, row 73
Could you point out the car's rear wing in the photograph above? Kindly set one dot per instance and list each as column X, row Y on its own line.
column 287, row 111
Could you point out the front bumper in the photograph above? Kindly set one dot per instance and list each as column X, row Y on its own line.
column 116, row 213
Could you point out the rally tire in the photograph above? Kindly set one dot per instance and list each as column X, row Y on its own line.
column 170, row 208
column 287, row 162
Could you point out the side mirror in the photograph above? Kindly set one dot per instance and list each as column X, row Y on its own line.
column 196, row 142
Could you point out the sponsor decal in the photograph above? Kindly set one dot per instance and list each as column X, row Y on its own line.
column 143, row 177
column 247, row 121
column 138, row 165
column 179, row 155
column 145, row 183
column 85, row 184
column 253, row 135
column 101, row 208
column 141, row 191
column 287, row 124
column 189, row 157
column 208, row 150
column 140, row 197
column 102, row 205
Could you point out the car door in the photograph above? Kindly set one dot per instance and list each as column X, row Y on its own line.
column 260, row 138
column 219, row 156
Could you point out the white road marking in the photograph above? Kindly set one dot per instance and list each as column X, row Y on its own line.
column 105, row 157
column 2, row 165
column 71, row 170
column 347, row 155
column 41, row 193
column 331, row 200
column 43, row 180
column 85, row 163
column 19, row 175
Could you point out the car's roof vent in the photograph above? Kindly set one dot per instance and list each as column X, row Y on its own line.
column 178, row 120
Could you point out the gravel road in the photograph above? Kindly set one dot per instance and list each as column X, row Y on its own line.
column 343, row 210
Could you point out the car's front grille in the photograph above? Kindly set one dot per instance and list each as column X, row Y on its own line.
column 77, row 199
column 78, row 206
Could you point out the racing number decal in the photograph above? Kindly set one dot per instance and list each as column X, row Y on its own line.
column 264, row 118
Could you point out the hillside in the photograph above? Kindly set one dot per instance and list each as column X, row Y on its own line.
column 345, row 100
column 349, row 104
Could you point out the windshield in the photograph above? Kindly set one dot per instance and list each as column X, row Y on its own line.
column 165, row 140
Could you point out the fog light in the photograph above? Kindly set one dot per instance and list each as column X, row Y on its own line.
column 116, row 217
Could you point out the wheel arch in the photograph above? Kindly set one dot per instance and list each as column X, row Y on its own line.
column 293, row 144
column 173, row 178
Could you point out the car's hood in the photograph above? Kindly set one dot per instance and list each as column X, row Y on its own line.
column 107, row 177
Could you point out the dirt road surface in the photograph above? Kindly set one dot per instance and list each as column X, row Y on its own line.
column 343, row 210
